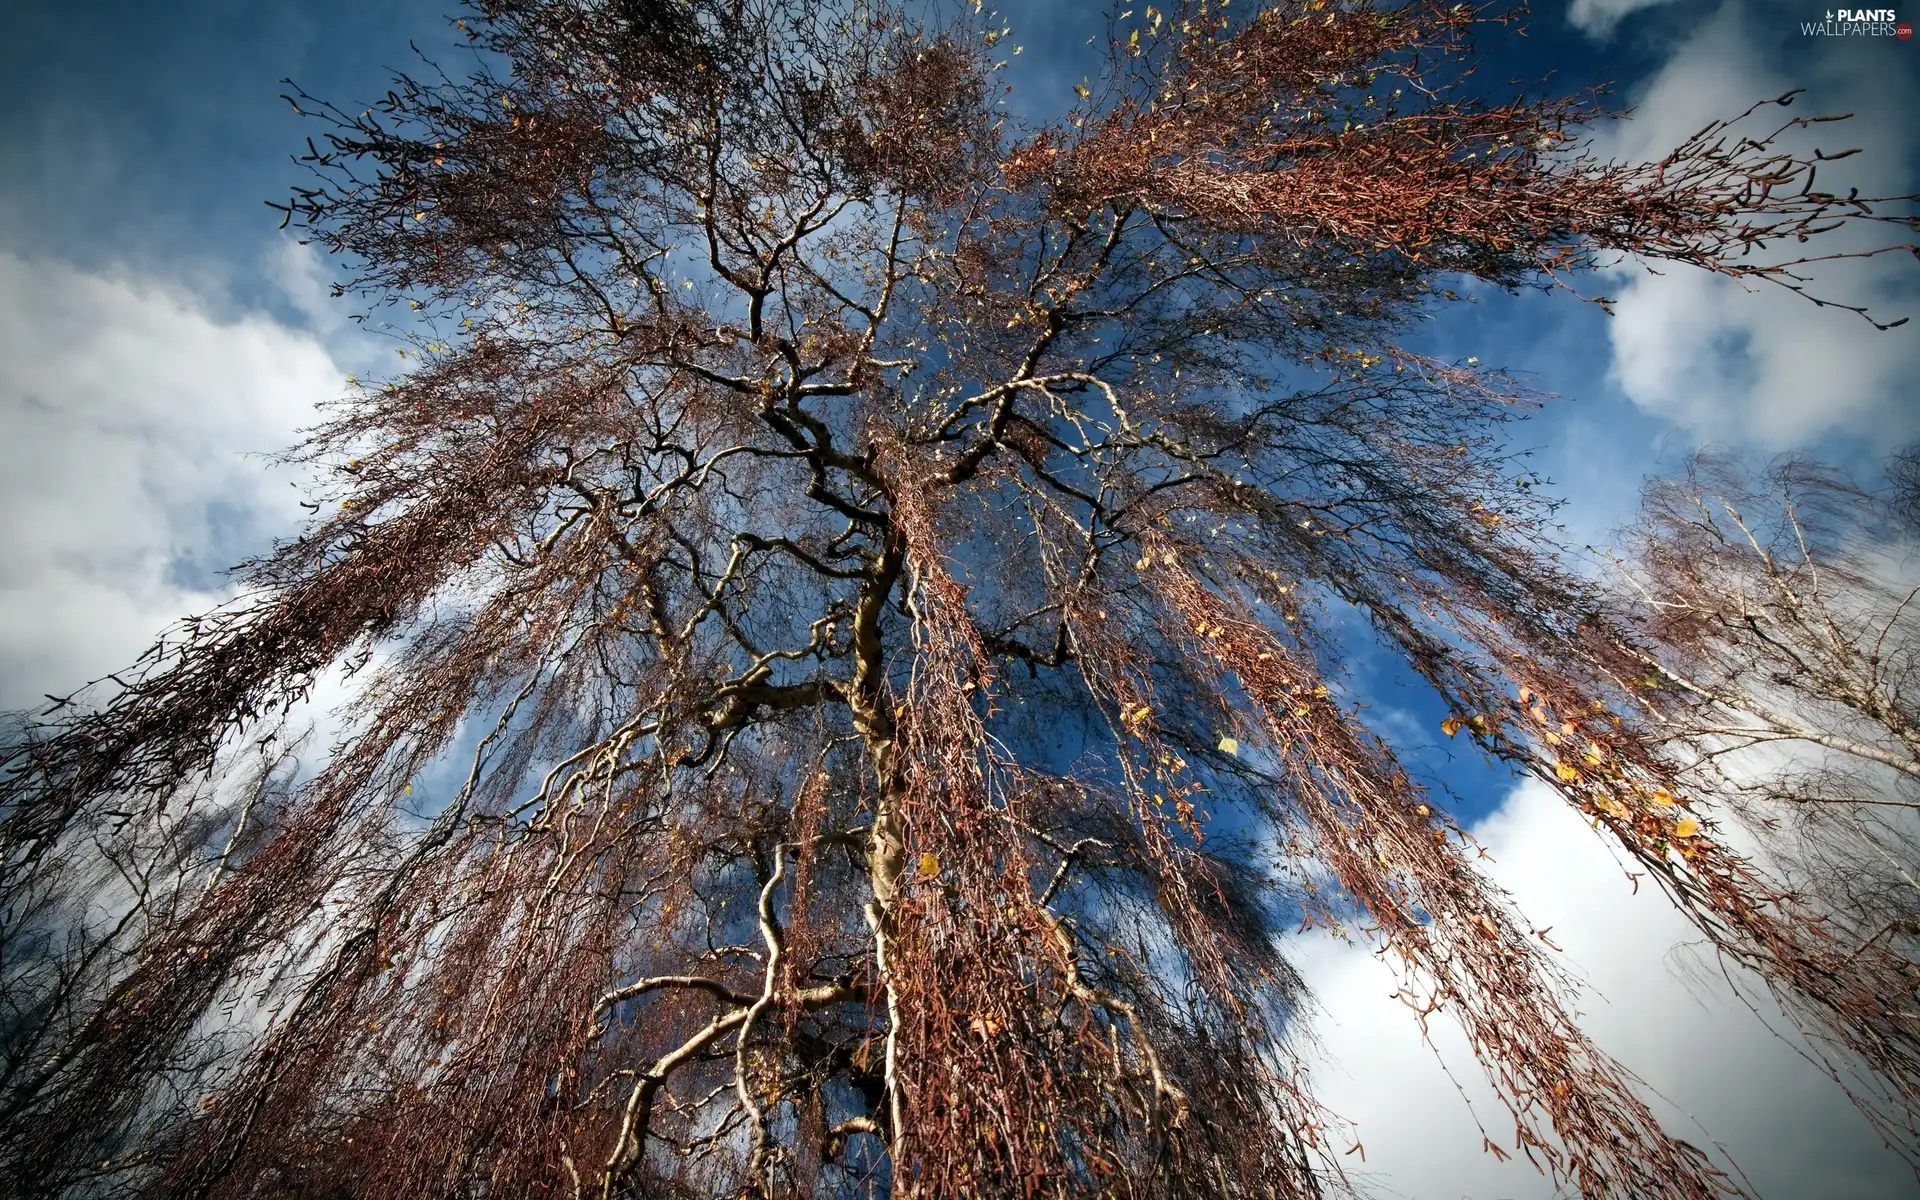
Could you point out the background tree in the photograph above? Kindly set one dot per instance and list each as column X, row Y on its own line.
column 1782, row 661
column 1771, row 594
column 874, row 566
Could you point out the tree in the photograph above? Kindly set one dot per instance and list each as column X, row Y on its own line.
column 1784, row 614
column 1782, row 662
column 877, row 569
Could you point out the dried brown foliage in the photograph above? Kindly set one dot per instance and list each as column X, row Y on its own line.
column 838, row 540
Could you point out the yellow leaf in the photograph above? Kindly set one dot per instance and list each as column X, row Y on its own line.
column 1229, row 746
column 929, row 865
column 1451, row 726
column 1662, row 797
column 1566, row 773
column 1081, row 90
column 1686, row 827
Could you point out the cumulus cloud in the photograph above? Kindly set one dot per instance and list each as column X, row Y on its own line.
column 127, row 407
column 301, row 274
column 1600, row 17
column 1650, row 998
column 1758, row 364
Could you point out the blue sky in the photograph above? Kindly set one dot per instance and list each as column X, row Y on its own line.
column 155, row 327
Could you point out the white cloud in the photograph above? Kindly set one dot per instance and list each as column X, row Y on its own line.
column 301, row 273
column 1763, row 366
column 126, row 406
column 1599, row 17
column 1724, row 1075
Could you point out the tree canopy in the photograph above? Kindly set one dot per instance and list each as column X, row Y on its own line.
column 884, row 572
